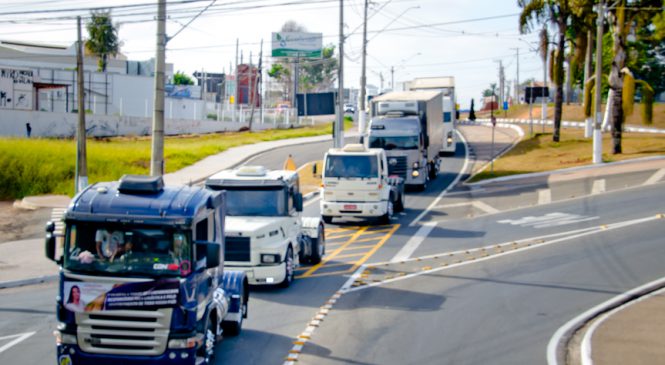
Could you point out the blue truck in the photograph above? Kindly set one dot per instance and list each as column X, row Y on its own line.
column 142, row 277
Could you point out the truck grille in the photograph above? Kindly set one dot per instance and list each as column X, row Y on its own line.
column 237, row 249
column 398, row 167
column 128, row 332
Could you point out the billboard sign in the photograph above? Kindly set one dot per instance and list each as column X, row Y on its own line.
column 294, row 44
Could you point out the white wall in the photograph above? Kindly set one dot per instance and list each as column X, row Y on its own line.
column 43, row 124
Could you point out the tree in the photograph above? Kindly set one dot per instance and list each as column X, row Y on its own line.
column 180, row 78
column 103, row 38
column 559, row 13
column 624, row 21
column 472, row 112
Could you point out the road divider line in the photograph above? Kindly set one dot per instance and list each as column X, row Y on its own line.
column 327, row 258
column 603, row 228
column 375, row 248
column 479, row 204
column 452, row 185
column 544, row 196
column 656, row 177
column 598, row 187
column 414, row 242
column 18, row 338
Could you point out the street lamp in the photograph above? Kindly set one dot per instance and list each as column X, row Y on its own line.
column 401, row 65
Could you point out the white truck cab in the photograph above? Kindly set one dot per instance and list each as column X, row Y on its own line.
column 355, row 183
column 266, row 236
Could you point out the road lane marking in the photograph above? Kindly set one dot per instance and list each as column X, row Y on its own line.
column 376, row 247
column 414, row 242
column 436, row 201
column 335, row 253
column 348, row 286
column 17, row 339
column 485, row 207
column 656, row 177
column 598, row 187
column 548, row 220
column 544, row 196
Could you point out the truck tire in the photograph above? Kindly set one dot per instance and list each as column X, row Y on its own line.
column 318, row 247
column 288, row 269
column 385, row 219
column 432, row 171
column 326, row 218
column 399, row 204
column 233, row 328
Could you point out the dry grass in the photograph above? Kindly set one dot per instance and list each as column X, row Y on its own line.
column 308, row 181
column 541, row 154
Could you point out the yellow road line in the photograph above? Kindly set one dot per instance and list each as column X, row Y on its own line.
column 376, row 247
column 334, row 253
column 328, row 237
column 358, row 247
column 350, row 255
column 328, row 273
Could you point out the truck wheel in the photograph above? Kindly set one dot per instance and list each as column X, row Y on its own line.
column 432, row 171
column 318, row 247
column 233, row 328
column 207, row 349
column 399, row 204
column 385, row 219
column 288, row 269
column 327, row 219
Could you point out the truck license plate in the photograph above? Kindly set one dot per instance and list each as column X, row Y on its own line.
column 350, row 207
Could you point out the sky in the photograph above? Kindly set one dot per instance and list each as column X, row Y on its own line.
column 415, row 38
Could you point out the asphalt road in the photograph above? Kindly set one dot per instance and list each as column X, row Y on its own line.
column 500, row 310
column 276, row 316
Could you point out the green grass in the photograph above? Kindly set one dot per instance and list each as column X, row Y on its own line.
column 47, row 166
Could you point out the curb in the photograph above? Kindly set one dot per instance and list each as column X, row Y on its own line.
column 557, row 347
column 31, row 281
column 567, row 123
column 310, row 196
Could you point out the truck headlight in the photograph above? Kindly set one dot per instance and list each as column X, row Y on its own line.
column 416, row 165
column 185, row 343
column 268, row 258
column 64, row 338
column 415, row 173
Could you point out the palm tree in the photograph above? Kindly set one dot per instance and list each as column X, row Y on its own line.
column 557, row 12
column 103, row 38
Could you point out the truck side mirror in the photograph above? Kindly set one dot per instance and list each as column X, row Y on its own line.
column 49, row 244
column 297, row 202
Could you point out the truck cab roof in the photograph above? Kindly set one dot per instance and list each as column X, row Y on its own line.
column 355, row 149
column 141, row 198
column 252, row 176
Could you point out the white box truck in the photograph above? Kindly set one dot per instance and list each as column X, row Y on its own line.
column 408, row 126
column 446, row 85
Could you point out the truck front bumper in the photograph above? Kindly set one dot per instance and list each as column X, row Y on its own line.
column 262, row 275
column 72, row 355
column 353, row 209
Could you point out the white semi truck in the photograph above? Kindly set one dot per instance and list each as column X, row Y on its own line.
column 266, row 236
column 445, row 85
column 356, row 183
column 408, row 126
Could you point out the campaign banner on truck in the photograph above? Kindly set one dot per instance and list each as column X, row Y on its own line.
column 297, row 44
column 90, row 296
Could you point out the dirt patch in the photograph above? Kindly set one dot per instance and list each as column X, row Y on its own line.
column 20, row 224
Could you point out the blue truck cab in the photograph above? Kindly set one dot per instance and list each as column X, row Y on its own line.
column 142, row 277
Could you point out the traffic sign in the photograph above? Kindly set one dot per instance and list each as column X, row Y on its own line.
column 505, row 105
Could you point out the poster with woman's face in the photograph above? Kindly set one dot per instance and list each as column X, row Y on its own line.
column 90, row 296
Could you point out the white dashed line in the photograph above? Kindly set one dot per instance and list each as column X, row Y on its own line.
column 544, row 196
column 598, row 186
column 414, row 242
column 17, row 339
column 656, row 177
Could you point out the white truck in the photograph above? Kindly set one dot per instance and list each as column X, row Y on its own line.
column 445, row 85
column 266, row 236
column 356, row 183
column 408, row 126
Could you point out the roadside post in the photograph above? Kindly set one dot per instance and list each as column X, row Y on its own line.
column 492, row 151
column 531, row 110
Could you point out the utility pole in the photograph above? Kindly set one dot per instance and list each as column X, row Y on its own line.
column 157, row 153
column 81, row 162
column 235, row 97
column 501, row 83
column 597, row 135
column 392, row 78
column 517, row 85
column 587, row 74
column 363, row 77
column 339, row 126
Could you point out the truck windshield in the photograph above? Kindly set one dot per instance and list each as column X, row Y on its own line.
column 394, row 143
column 118, row 249
column 262, row 201
column 352, row 166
